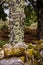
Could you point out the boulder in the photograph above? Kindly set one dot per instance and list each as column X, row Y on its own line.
column 11, row 61
column 7, row 50
column 21, row 45
column 18, row 51
column 1, row 53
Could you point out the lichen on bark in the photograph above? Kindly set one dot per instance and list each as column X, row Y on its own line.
column 16, row 20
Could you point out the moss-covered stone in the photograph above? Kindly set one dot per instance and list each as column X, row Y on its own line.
column 29, row 52
column 1, row 53
column 7, row 50
column 18, row 51
column 22, row 58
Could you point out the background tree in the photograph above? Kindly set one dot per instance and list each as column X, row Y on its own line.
column 37, row 5
column 31, row 16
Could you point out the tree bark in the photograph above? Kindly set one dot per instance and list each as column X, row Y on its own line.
column 40, row 19
column 16, row 22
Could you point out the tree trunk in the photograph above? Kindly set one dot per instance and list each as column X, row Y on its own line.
column 41, row 25
column 40, row 19
column 16, row 22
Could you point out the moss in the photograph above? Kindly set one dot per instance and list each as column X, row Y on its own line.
column 30, row 46
column 37, row 54
column 38, row 41
column 22, row 58
column 18, row 51
column 1, row 53
column 35, row 62
column 7, row 50
column 29, row 52
column 39, row 46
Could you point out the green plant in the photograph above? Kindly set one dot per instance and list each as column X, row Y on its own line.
column 2, row 43
column 31, row 16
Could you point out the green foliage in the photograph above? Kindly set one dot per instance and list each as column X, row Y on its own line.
column 31, row 16
column 3, row 42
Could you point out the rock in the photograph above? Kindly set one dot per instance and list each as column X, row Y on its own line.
column 21, row 45
column 7, row 50
column 18, row 51
column 22, row 58
column 11, row 61
column 14, row 50
column 1, row 53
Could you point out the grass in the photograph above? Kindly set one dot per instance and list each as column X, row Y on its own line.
column 2, row 42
